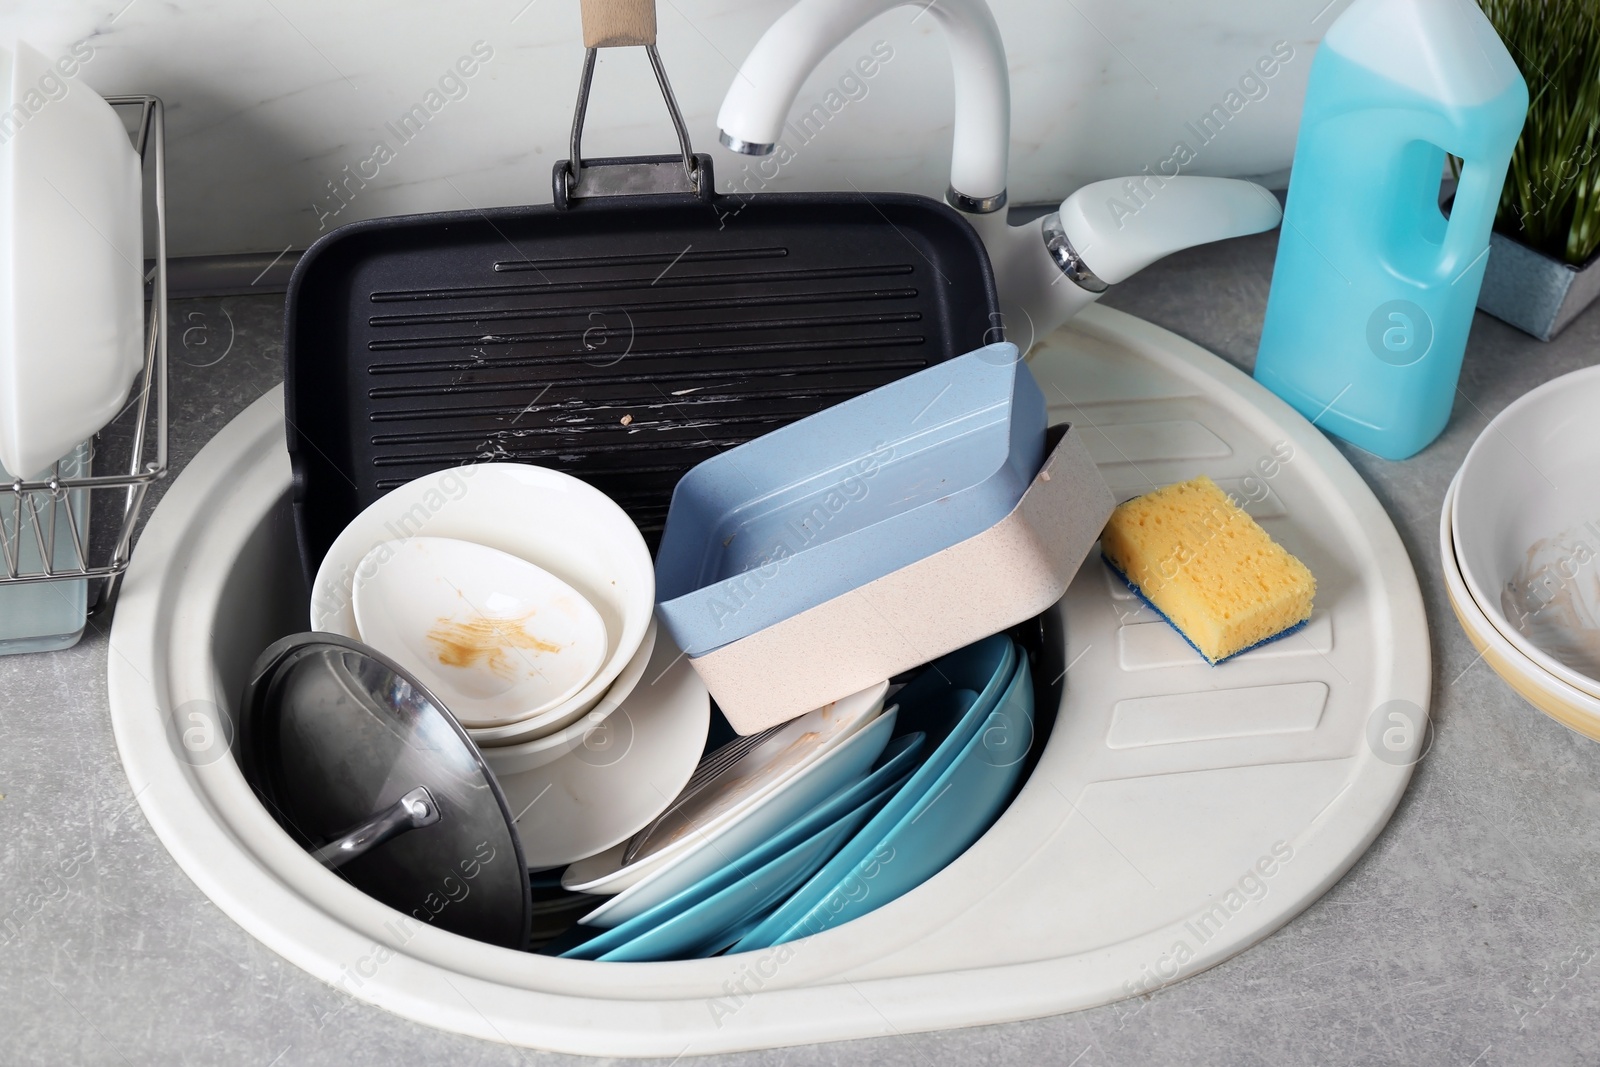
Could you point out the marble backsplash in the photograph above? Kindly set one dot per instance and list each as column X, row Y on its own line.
column 289, row 117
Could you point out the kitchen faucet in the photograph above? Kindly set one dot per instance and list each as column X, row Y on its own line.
column 1046, row 270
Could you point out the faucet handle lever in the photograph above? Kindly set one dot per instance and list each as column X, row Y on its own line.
column 1119, row 226
column 618, row 23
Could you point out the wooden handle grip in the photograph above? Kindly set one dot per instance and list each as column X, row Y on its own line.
column 618, row 23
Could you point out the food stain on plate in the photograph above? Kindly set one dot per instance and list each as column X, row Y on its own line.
column 488, row 642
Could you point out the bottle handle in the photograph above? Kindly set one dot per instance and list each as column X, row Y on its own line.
column 1471, row 217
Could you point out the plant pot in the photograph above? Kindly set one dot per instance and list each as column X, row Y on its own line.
column 1534, row 292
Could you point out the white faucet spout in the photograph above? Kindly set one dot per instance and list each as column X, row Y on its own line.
column 759, row 100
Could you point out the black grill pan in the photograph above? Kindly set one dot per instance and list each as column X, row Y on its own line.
column 622, row 339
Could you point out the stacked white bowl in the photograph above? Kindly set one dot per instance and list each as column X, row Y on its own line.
column 1519, row 538
column 522, row 597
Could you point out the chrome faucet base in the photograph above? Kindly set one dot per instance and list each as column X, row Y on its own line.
column 745, row 148
column 1067, row 257
column 973, row 205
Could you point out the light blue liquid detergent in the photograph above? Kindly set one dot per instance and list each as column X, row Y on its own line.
column 1374, row 288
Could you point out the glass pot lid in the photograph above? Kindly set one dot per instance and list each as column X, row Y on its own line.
column 368, row 772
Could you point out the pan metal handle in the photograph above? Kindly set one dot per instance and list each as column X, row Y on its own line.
column 618, row 23
column 613, row 24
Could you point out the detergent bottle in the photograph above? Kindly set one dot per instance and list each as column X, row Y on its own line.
column 1374, row 287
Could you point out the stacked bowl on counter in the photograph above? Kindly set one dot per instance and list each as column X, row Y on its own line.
column 1519, row 539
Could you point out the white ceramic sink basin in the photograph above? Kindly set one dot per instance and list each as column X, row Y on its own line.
column 1179, row 813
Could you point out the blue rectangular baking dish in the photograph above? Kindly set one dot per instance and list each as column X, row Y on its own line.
column 827, row 504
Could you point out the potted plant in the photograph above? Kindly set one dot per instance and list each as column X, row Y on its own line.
column 1541, row 271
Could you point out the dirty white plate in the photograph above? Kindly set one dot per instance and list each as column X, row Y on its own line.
column 498, row 639
column 548, row 518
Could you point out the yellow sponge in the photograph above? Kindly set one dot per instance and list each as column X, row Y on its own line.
column 1208, row 567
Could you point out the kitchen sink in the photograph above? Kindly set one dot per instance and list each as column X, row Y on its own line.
column 1178, row 813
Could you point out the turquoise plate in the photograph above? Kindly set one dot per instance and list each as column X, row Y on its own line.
column 728, row 887
column 719, row 919
column 918, row 833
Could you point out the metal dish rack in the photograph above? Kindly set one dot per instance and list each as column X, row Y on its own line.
column 39, row 507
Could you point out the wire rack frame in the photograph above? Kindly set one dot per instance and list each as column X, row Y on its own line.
column 37, row 510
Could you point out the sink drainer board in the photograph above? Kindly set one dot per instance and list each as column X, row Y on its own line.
column 1178, row 814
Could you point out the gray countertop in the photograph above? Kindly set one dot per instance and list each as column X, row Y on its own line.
column 1468, row 934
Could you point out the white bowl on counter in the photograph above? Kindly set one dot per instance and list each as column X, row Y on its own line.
column 1525, row 519
column 1572, row 707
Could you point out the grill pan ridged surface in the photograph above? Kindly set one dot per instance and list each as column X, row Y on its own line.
column 620, row 342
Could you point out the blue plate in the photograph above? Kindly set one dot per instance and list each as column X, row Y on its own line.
column 922, row 829
column 930, row 704
column 984, row 667
column 897, row 764
column 714, row 922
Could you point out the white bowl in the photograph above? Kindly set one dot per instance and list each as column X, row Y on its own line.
column 622, row 776
column 520, row 754
column 1572, row 707
column 550, row 519
column 498, row 639
column 1526, row 526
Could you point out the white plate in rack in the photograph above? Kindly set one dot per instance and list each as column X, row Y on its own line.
column 1179, row 813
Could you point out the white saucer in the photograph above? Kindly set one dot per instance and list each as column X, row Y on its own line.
column 1525, row 520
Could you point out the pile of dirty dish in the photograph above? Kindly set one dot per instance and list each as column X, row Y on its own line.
column 1519, row 539
column 502, row 723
